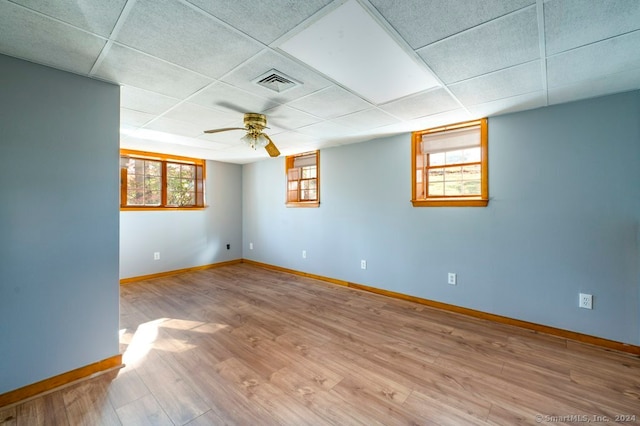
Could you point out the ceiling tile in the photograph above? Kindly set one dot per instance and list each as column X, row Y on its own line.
column 28, row 35
column 611, row 83
column 205, row 118
column 179, row 34
column 615, row 55
column 229, row 138
column 98, row 17
column 244, row 76
column 222, row 96
column 422, row 22
column 350, row 46
column 262, row 20
column 502, row 43
column 508, row 105
column 501, row 84
column 330, row 102
column 365, row 120
column 175, row 127
column 128, row 67
column 572, row 23
column 144, row 100
column 134, row 118
column 289, row 118
column 435, row 120
column 293, row 140
column 422, row 104
column 325, row 130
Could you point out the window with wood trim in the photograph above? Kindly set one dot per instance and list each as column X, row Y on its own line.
column 158, row 181
column 303, row 179
column 449, row 165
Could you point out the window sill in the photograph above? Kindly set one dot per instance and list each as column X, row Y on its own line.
column 451, row 202
column 311, row 204
column 146, row 209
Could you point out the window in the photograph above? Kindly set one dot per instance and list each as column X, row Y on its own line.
column 303, row 180
column 449, row 165
column 158, row 181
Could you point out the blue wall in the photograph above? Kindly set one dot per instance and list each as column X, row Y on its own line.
column 563, row 219
column 186, row 239
column 59, row 197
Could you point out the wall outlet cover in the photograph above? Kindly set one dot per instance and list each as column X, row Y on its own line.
column 452, row 278
column 585, row 301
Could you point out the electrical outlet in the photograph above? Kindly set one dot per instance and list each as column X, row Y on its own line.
column 228, row 246
column 250, row 246
column 304, row 254
column 156, row 255
column 363, row 264
column 452, row 278
column 585, row 301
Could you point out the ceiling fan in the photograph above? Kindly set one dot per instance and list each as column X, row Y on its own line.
column 254, row 124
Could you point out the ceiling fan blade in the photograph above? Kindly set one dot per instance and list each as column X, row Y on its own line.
column 232, row 107
column 224, row 129
column 271, row 148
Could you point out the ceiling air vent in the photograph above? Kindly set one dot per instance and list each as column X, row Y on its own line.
column 276, row 81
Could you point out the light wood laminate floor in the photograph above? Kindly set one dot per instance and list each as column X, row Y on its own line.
column 243, row 345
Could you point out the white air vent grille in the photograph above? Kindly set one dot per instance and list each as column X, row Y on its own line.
column 276, row 81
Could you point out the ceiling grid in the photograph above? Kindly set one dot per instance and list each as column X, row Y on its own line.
column 189, row 65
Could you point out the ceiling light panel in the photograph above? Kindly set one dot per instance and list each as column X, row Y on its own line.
column 349, row 46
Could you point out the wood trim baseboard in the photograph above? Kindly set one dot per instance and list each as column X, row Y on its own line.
column 179, row 271
column 295, row 272
column 558, row 332
column 45, row 385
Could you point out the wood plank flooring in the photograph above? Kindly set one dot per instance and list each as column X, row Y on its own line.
column 242, row 345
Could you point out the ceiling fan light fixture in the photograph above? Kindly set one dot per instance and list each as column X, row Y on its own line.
column 255, row 140
column 249, row 139
column 262, row 140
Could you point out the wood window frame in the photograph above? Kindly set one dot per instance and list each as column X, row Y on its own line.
column 481, row 200
column 289, row 164
column 164, row 159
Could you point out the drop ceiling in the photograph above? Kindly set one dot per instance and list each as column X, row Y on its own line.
column 187, row 66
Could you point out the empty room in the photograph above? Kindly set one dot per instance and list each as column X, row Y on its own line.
column 322, row 212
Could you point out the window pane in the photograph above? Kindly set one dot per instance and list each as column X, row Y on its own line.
column 436, row 159
column 187, row 171
column 152, row 183
column 454, row 157
column 136, row 166
column 453, row 173
column 471, row 187
column 308, row 172
column 471, row 172
column 453, row 188
column 173, row 170
column 472, row 155
column 135, row 198
column 436, row 188
column 308, row 195
column 152, row 168
column 153, row 198
column 182, row 198
column 436, row 175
